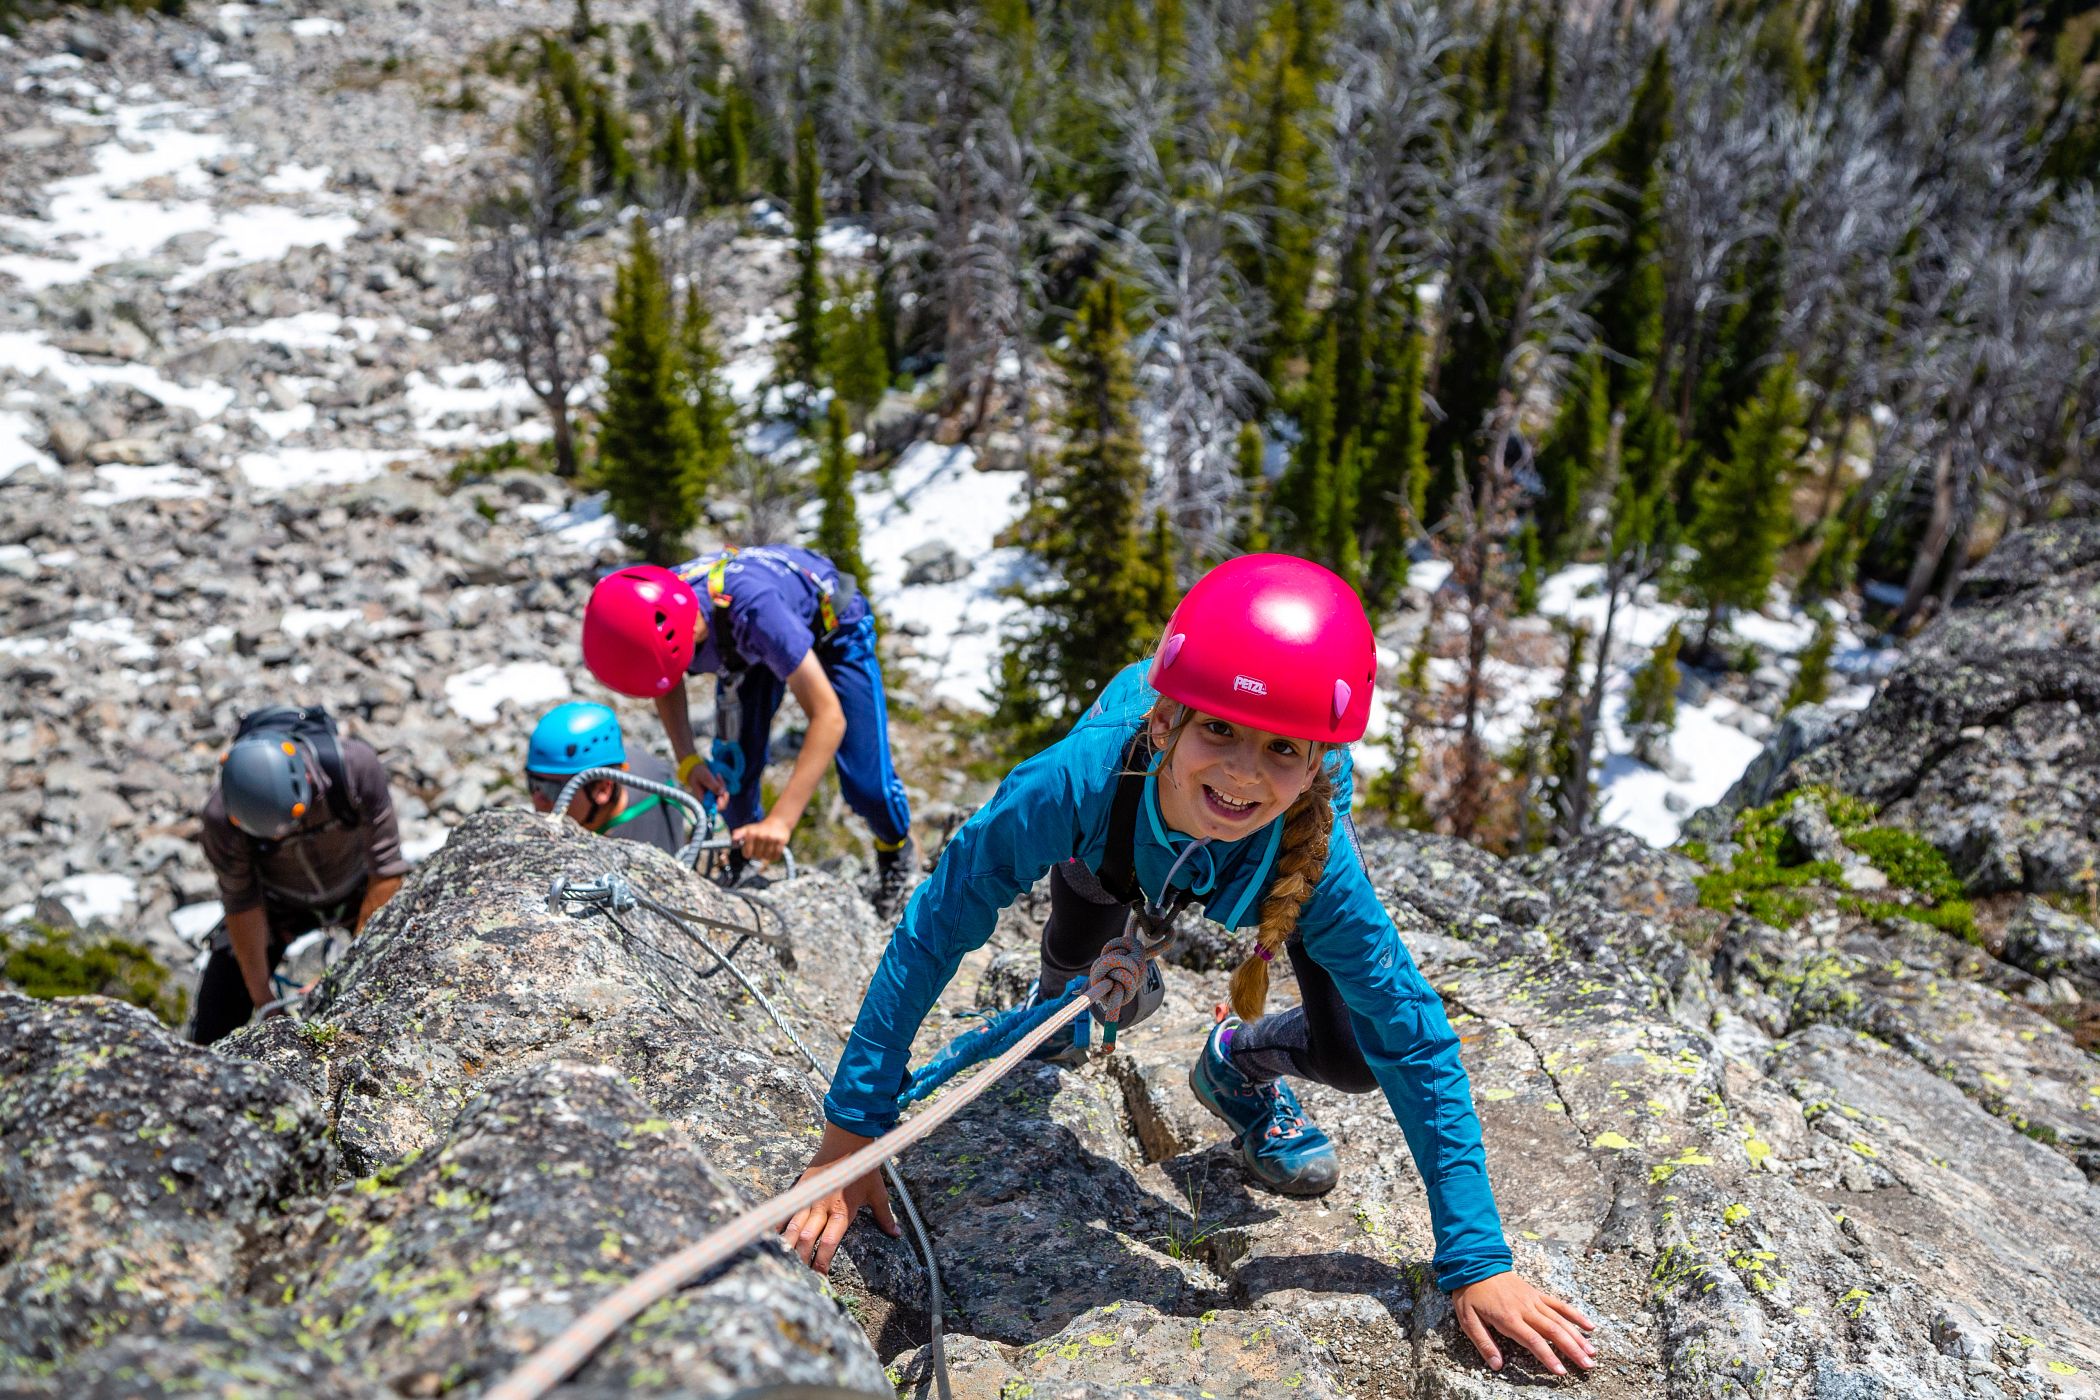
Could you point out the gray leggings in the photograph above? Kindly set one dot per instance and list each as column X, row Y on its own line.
column 1312, row 1040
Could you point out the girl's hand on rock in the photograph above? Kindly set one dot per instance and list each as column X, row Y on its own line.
column 815, row 1231
column 1544, row 1325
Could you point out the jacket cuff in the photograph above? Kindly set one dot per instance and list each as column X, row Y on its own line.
column 865, row 1124
column 1454, row 1276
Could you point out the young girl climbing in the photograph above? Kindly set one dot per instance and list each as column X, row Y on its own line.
column 1216, row 779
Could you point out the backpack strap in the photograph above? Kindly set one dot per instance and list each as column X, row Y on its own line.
column 711, row 574
column 317, row 727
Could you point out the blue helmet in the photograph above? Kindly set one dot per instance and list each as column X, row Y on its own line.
column 573, row 737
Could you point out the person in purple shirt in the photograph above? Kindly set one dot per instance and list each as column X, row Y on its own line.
column 767, row 621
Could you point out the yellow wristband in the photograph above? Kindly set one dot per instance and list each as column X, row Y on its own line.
column 687, row 764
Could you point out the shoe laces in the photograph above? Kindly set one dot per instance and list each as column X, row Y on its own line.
column 1284, row 1123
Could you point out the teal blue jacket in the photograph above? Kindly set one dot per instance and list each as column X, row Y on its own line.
column 1056, row 806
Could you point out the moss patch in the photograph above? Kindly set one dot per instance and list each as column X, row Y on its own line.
column 47, row 962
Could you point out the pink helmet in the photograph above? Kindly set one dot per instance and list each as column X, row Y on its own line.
column 638, row 630
column 1274, row 642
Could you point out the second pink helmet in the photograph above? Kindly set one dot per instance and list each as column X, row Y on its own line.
column 1274, row 642
column 638, row 630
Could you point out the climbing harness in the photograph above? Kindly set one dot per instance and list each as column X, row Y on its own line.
column 612, row 895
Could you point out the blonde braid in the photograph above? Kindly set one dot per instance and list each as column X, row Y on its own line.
column 1303, row 859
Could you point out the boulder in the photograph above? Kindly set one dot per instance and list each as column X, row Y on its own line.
column 2050, row 943
column 1986, row 737
column 935, row 561
column 136, row 1170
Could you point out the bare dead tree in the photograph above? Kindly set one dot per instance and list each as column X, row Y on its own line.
column 1388, row 106
column 1720, row 194
column 1179, row 247
column 543, row 315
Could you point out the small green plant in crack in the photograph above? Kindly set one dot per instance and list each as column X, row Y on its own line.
column 1179, row 1243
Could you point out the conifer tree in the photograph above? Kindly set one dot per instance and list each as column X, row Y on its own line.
column 1162, row 573
column 1394, row 792
column 1556, row 744
column 1251, row 456
column 1572, row 458
column 728, row 164
column 699, row 371
column 805, row 343
column 838, row 523
column 1830, row 572
column 612, row 163
column 1276, row 100
column 1628, row 309
column 1742, row 515
column 1524, row 600
column 1779, row 49
column 1396, row 475
column 1812, row 675
column 860, row 365
column 1353, row 341
column 1341, row 552
column 1094, row 615
column 648, row 449
column 1306, row 490
column 1651, row 700
column 1744, row 340
column 1469, row 374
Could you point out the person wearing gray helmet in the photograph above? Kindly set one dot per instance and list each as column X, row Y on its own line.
column 301, row 832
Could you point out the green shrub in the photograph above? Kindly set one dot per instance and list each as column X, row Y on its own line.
column 47, row 962
column 1909, row 860
column 1758, row 878
column 1954, row 916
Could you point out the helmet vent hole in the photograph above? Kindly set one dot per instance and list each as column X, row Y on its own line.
column 661, row 619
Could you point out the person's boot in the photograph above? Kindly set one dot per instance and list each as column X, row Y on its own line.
column 893, row 882
column 1279, row 1146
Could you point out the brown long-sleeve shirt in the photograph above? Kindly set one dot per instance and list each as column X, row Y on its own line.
column 323, row 862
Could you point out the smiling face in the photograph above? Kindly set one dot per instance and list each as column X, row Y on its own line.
column 1226, row 780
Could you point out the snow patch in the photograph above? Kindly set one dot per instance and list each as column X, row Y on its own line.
column 296, row 179
column 94, row 898
column 29, row 356
column 301, row 623
column 586, row 524
column 265, row 233
column 844, row 240
column 192, row 921
column 279, row 424
column 477, row 695
column 116, row 637
column 936, row 493
column 424, row 843
column 16, row 454
column 166, row 482
column 316, row 27
column 290, row 468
